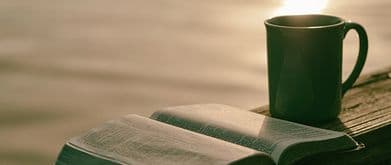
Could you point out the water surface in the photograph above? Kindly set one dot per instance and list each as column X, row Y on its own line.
column 67, row 66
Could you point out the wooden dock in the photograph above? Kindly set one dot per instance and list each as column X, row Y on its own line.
column 366, row 116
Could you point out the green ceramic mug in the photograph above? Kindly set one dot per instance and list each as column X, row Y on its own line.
column 304, row 57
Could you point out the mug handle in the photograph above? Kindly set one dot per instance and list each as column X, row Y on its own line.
column 362, row 54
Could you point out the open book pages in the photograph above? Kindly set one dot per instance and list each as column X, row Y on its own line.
column 139, row 140
column 285, row 141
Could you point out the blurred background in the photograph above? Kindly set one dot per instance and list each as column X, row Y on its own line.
column 67, row 66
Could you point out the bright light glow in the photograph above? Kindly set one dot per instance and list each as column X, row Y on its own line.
column 294, row 7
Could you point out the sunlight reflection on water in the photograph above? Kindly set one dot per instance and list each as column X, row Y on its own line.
column 301, row 7
column 76, row 64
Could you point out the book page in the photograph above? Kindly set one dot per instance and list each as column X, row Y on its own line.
column 139, row 140
column 245, row 128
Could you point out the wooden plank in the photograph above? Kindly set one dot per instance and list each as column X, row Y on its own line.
column 366, row 116
column 367, row 106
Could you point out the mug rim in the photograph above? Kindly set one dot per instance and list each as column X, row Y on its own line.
column 269, row 23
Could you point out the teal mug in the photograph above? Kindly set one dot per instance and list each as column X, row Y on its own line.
column 304, row 57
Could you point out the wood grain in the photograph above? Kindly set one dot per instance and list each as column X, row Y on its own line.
column 367, row 106
column 366, row 116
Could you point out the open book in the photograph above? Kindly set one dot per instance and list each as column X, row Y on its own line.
column 201, row 134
